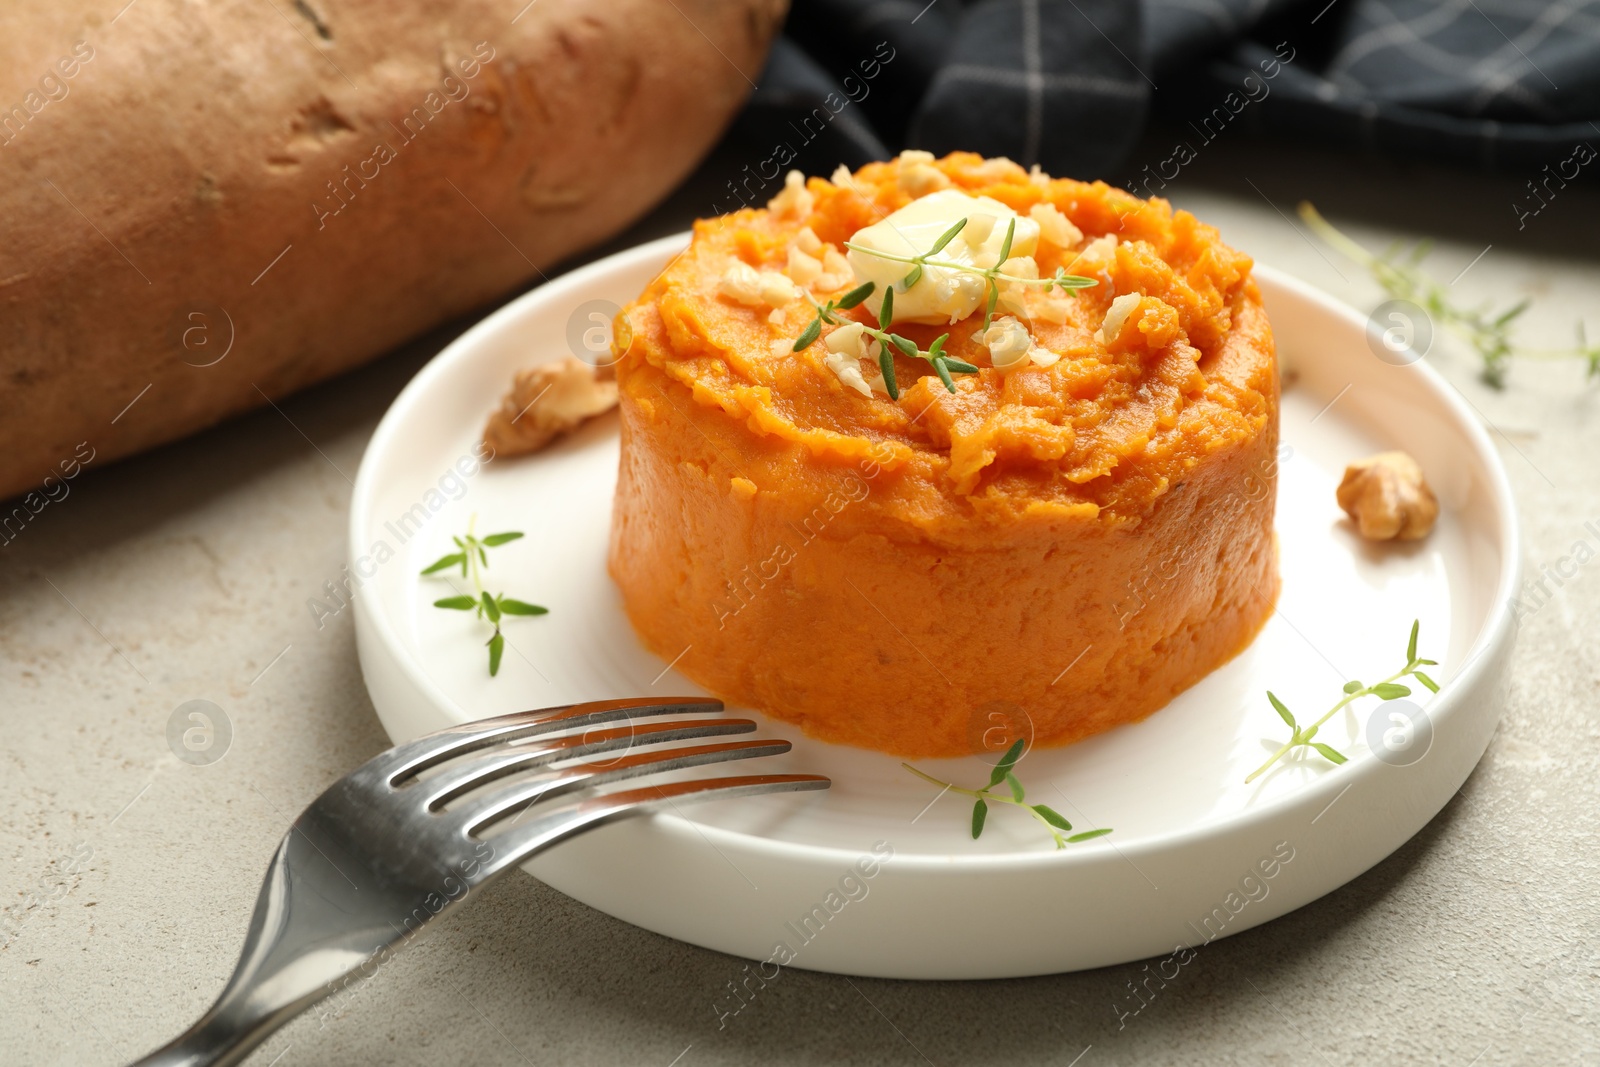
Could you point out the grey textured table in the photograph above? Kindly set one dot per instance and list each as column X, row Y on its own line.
column 127, row 875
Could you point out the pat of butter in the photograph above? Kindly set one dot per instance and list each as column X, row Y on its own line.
column 941, row 294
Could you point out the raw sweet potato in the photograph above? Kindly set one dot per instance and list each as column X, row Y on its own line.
column 207, row 205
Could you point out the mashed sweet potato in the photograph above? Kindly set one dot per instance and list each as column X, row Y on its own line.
column 1058, row 548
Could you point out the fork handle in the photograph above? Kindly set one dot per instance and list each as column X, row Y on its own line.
column 301, row 940
column 215, row 1041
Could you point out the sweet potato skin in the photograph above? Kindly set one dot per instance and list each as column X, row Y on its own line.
column 227, row 202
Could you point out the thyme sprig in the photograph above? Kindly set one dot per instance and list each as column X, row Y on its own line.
column 825, row 313
column 1487, row 330
column 888, row 343
column 1388, row 689
column 472, row 557
column 992, row 276
column 1004, row 773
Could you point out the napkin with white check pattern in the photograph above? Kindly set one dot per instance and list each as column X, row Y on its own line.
column 1072, row 84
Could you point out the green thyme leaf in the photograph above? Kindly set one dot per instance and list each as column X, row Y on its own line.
column 856, row 295
column 960, row 367
column 1017, row 792
column 1388, row 689
column 946, row 237
column 1066, row 282
column 1053, row 817
column 1089, row 835
column 1015, row 795
column 886, row 367
column 1283, row 712
column 886, row 309
column 1512, row 312
column 1486, row 332
column 990, row 275
column 936, row 349
column 472, row 558
column 809, row 335
column 1007, row 761
column 1005, row 246
column 907, row 346
column 944, row 373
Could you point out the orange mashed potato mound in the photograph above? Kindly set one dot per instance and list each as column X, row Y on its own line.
column 1048, row 552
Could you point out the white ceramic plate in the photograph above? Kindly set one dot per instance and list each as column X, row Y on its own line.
column 1195, row 853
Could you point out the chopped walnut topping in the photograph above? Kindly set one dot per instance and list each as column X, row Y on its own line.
column 980, row 224
column 803, row 268
column 1021, row 267
column 1054, row 227
column 546, row 402
column 998, row 169
column 795, row 201
column 1008, row 342
column 1014, row 299
column 918, row 175
column 836, row 271
column 743, row 284
column 1052, row 309
column 1116, row 316
column 846, row 347
column 776, row 290
column 1388, row 498
column 1098, row 255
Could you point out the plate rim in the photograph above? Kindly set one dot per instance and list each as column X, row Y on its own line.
column 1496, row 631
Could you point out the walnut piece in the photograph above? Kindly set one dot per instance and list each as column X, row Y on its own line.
column 1388, row 498
column 546, row 402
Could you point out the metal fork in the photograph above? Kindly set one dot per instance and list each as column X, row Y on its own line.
column 383, row 851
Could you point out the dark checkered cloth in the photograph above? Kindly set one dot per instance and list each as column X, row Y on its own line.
column 1072, row 84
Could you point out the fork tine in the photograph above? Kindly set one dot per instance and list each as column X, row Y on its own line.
column 521, row 795
column 517, row 844
column 511, row 759
column 414, row 757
